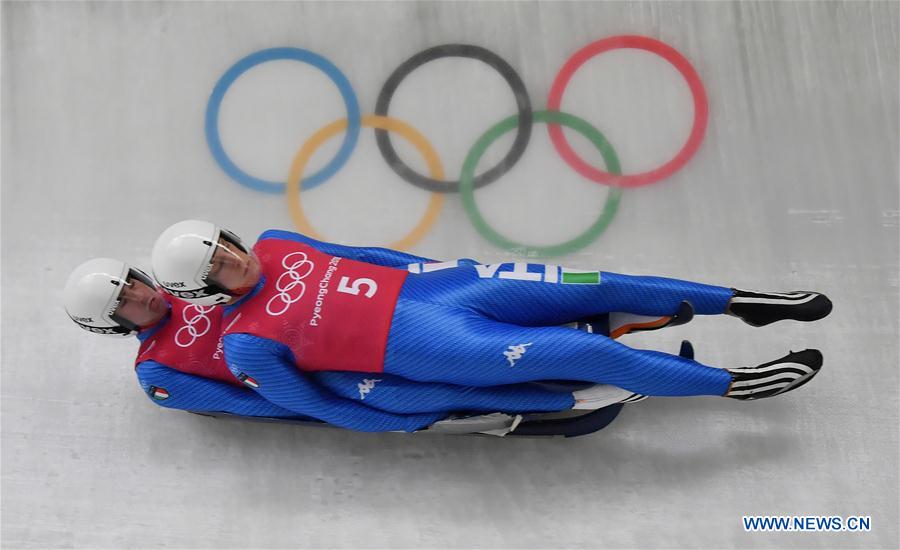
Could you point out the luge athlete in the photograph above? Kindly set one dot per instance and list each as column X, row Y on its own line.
column 180, row 364
column 293, row 303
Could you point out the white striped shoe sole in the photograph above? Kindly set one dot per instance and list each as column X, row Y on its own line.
column 774, row 298
column 769, row 381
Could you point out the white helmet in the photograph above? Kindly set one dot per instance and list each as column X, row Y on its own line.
column 92, row 294
column 182, row 258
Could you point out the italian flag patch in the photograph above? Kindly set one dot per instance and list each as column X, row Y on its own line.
column 158, row 393
column 248, row 381
column 580, row 277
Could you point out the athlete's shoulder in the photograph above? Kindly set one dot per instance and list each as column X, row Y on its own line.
column 237, row 343
column 151, row 368
column 154, row 379
column 282, row 235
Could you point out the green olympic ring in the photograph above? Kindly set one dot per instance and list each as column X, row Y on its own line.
column 467, row 188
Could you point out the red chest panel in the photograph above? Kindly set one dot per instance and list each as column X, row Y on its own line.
column 189, row 342
column 333, row 313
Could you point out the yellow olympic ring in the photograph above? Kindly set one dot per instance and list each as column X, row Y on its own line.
column 301, row 159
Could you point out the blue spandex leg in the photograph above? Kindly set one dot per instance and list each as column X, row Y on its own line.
column 399, row 395
column 541, row 295
column 438, row 343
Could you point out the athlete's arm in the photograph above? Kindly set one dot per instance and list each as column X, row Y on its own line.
column 397, row 394
column 373, row 255
column 170, row 388
column 271, row 368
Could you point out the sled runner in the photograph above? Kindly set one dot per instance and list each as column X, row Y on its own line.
column 571, row 423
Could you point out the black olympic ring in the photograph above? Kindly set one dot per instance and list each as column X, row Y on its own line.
column 523, row 105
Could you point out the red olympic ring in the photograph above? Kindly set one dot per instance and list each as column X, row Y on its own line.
column 701, row 110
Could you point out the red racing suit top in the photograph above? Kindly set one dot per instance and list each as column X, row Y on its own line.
column 189, row 341
column 333, row 313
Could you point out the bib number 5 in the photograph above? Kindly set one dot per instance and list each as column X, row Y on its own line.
column 354, row 288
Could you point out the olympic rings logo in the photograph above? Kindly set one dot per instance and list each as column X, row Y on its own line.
column 288, row 281
column 434, row 182
column 197, row 318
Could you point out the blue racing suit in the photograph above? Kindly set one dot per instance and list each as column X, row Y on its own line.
column 464, row 323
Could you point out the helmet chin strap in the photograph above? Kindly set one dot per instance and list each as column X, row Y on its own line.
column 132, row 327
column 214, row 287
column 127, row 325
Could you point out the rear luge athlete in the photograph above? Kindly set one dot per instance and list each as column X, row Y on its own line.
column 293, row 305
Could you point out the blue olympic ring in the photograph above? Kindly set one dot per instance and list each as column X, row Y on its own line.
column 304, row 56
